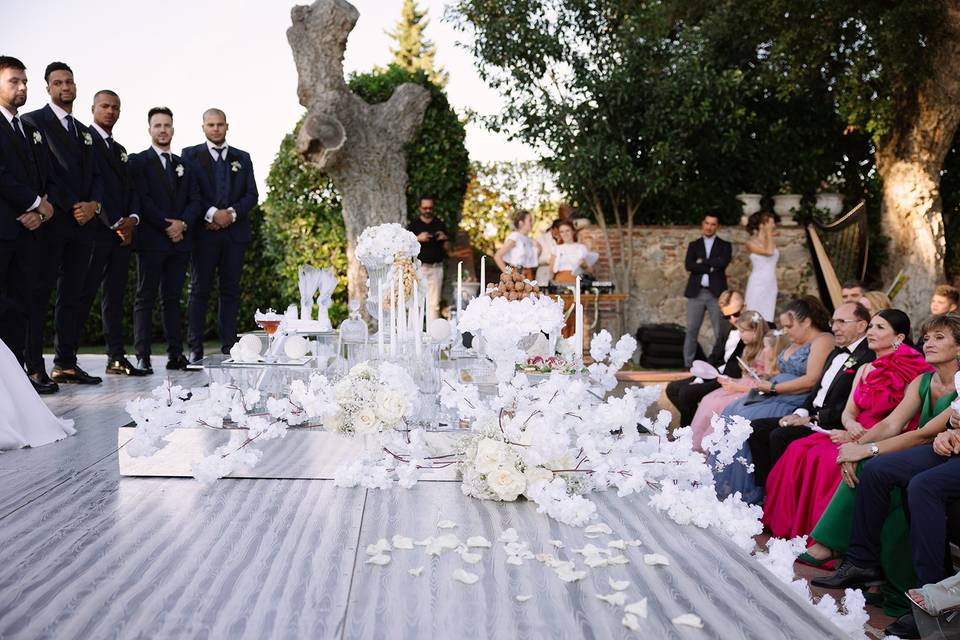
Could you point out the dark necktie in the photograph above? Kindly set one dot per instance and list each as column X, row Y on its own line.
column 222, row 175
column 18, row 128
column 71, row 126
column 169, row 166
column 109, row 142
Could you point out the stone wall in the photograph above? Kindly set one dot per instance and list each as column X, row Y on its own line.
column 659, row 277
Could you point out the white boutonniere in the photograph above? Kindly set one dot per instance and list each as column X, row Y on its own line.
column 123, row 157
column 235, row 166
column 179, row 170
column 87, row 139
column 37, row 138
column 850, row 363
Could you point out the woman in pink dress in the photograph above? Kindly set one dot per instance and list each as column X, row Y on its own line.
column 753, row 330
column 802, row 482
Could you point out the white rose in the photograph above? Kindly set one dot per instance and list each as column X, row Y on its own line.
column 537, row 474
column 365, row 421
column 390, row 406
column 333, row 422
column 490, row 455
column 507, row 483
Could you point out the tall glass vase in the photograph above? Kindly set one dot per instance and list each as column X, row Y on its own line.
column 377, row 274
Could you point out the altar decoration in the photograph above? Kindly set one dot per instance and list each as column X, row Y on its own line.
column 372, row 398
column 381, row 244
column 509, row 322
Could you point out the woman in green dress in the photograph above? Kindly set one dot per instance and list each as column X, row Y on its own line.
column 931, row 395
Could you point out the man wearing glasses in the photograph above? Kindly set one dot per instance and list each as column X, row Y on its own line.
column 824, row 405
column 686, row 394
column 434, row 245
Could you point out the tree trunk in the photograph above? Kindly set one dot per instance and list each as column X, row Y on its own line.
column 909, row 161
column 359, row 145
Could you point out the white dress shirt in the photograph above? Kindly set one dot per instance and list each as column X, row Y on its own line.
column 9, row 115
column 830, row 375
column 733, row 339
column 707, row 247
column 216, row 157
column 160, row 152
column 62, row 116
column 106, row 134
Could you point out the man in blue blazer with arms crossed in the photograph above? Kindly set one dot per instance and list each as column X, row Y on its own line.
column 228, row 192
column 170, row 211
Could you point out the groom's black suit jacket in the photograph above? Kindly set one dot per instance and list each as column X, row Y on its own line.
column 828, row 415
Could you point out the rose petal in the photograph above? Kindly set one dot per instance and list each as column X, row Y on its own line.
column 465, row 576
column 617, row 544
column 378, row 548
column 617, row 599
column 638, row 608
column 510, row 535
column 379, row 560
column 557, row 543
column 446, row 524
column 415, row 572
column 478, row 541
column 618, row 585
column 401, row 542
column 470, row 558
column 688, row 620
column 523, row 598
column 621, row 559
column 598, row 529
column 630, row 622
column 656, row 559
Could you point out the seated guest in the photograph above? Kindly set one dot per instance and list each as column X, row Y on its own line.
column 929, row 395
column 876, row 301
column 753, row 330
column 518, row 251
column 945, row 299
column 824, row 404
column 571, row 258
column 807, row 324
column 803, row 481
column 686, row 394
column 852, row 290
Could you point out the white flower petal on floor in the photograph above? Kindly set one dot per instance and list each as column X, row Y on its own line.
column 630, row 622
column 402, row 542
column 523, row 598
column 617, row 544
column 638, row 608
column 380, row 560
column 598, row 529
column 376, row 549
column 617, row 599
column 446, row 524
column 688, row 620
column 509, row 535
column 655, row 559
column 465, row 576
column 570, row 575
column 470, row 558
column 478, row 541
column 557, row 543
column 415, row 572
column 618, row 585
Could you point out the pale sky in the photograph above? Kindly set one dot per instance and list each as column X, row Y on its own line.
column 232, row 54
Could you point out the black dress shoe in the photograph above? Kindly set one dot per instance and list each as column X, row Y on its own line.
column 122, row 367
column 195, row 357
column 43, row 384
column 903, row 627
column 143, row 364
column 177, row 362
column 76, row 375
column 849, row 575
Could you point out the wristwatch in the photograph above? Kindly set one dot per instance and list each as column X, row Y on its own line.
column 43, row 217
column 874, row 449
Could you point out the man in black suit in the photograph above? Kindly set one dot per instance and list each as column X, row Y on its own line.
column 24, row 176
column 113, row 231
column 170, row 210
column 686, row 394
column 68, row 240
column 824, row 405
column 706, row 260
column 228, row 192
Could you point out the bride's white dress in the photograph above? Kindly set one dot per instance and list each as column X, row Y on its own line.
column 761, row 294
column 25, row 421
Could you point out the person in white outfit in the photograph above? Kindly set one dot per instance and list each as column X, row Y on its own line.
column 25, row 421
column 571, row 258
column 518, row 251
column 761, row 292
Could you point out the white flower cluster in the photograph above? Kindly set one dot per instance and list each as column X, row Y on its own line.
column 379, row 245
column 504, row 323
column 606, row 360
column 372, row 398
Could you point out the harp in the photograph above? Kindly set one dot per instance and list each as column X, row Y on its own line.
column 839, row 252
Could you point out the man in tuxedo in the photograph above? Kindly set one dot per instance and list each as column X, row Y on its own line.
column 24, row 208
column 228, row 192
column 825, row 403
column 113, row 234
column 67, row 242
column 170, row 210
column 706, row 260
column 686, row 394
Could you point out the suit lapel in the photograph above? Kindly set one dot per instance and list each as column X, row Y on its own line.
column 231, row 158
column 113, row 158
column 27, row 154
column 18, row 146
column 57, row 131
column 207, row 163
column 161, row 173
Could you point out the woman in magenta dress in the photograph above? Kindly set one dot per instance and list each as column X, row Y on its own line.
column 803, row 481
column 753, row 330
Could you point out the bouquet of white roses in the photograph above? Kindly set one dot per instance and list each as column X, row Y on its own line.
column 372, row 398
column 379, row 245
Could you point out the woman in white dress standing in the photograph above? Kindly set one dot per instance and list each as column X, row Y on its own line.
column 571, row 258
column 518, row 250
column 25, row 421
column 761, row 293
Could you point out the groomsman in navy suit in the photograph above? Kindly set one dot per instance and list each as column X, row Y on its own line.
column 228, row 192
column 170, row 210
column 114, row 231
column 68, row 240
column 24, row 208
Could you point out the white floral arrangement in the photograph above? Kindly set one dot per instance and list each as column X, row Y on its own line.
column 372, row 398
column 379, row 245
column 179, row 170
column 503, row 324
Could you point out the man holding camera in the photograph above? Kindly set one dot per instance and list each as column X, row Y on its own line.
column 434, row 244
